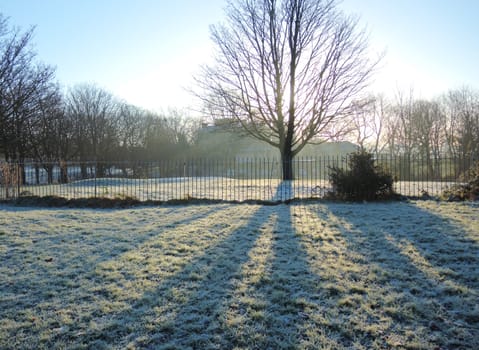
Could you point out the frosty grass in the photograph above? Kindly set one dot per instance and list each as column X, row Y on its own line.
column 304, row 276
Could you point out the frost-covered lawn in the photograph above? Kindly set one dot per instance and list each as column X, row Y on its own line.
column 305, row 276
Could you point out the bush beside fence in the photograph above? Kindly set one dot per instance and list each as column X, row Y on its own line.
column 235, row 179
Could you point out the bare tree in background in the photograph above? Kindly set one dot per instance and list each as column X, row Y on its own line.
column 461, row 109
column 427, row 121
column 46, row 130
column 378, row 122
column 23, row 84
column 95, row 116
column 132, row 131
column 286, row 70
column 367, row 123
column 401, row 125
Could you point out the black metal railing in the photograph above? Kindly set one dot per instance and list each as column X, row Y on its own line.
column 232, row 179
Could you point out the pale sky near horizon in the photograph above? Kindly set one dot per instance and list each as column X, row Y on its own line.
column 146, row 51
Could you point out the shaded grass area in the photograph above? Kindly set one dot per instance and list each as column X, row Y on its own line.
column 299, row 276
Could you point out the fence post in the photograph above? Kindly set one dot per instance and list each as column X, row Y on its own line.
column 94, row 177
column 19, row 177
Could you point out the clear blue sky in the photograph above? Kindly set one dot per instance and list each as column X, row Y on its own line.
column 145, row 51
column 431, row 45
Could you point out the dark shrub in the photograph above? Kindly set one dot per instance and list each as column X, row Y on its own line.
column 363, row 180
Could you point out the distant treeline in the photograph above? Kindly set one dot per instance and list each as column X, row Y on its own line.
column 405, row 126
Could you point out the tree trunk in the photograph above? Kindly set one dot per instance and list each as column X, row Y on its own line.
column 287, row 164
column 37, row 174
column 83, row 170
column 23, row 174
column 49, row 170
column 63, row 172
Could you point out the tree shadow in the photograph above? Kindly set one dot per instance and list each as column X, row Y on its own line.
column 271, row 305
column 251, row 286
column 284, row 191
column 185, row 309
column 264, row 294
column 255, row 282
column 292, row 292
column 423, row 270
column 49, row 269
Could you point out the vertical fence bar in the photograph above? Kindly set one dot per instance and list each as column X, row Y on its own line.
column 19, row 178
column 248, row 178
column 185, row 179
column 217, row 179
column 325, row 173
column 95, row 180
column 177, row 179
column 154, row 180
column 208, row 174
column 220, row 178
column 430, row 175
column 194, row 179
column 318, row 172
column 255, row 178
column 204, row 174
column 265, row 178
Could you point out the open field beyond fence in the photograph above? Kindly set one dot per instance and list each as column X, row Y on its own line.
column 399, row 275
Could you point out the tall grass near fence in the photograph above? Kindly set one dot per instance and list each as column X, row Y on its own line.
column 226, row 179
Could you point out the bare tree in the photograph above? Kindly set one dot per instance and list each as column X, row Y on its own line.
column 400, row 125
column 461, row 108
column 132, row 132
column 46, row 128
column 170, row 135
column 22, row 81
column 378, row 122
column 415, row 134
column 426, row 125
column 286, row 70
column 367, row 123
column 95, row 119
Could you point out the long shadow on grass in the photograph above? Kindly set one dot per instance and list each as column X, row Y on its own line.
column 113, row 242
column 267, row 304
column 184, row 310
column 52, row 271
column 90, row 253
column 201, row 322
column 422, row 274
column 291, row 290
column 192, row 308
column 257, row 293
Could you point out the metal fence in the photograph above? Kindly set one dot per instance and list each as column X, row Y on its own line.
column 235, row 179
